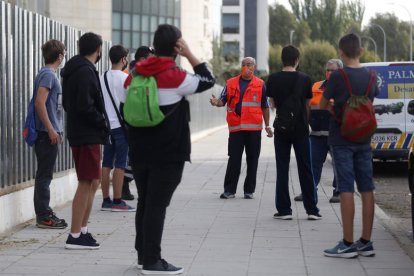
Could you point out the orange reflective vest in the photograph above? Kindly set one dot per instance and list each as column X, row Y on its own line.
column 251, row 117
column 317, row 92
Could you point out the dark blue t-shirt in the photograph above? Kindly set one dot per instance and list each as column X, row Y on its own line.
column 243, row 84
column 336, row 90
column 47, row 78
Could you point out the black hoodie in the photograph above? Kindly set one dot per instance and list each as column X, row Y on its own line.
column 82, row 100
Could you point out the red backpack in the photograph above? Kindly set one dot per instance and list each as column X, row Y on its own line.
column 358, row 122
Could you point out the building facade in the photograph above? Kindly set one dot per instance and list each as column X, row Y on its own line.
column 243, row 32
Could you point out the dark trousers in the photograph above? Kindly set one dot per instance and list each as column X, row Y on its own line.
column 319, row 151
column 46, row 154
column 238, row 141
column 302, row 151
column 156, row 185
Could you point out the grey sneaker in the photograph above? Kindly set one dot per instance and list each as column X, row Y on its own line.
column 298, row 198
column 248, row 195
column 341, row 251
column 334, row 199
column 366, row 250
column 227, row 195
column 161, row 267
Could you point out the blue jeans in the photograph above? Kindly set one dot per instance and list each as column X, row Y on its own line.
column 46, row 154
column 307, row 185
column 353, row 163
column 117, row 152
column 319, row 151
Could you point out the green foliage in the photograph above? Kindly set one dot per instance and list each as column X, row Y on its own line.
column 275, row 60
column 313, row 59
column 369, row 56
column 397, row 34
column 223, row 69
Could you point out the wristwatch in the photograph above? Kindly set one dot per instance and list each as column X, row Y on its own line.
column 266, row 127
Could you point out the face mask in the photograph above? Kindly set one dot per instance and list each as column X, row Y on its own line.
column 62, row 63
column 328, row 74
column 98, row 58
column 246, row 72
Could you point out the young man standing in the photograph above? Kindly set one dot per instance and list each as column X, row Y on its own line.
column 49, row 116
column 353, row 162
column 290, row 91
column 158, row 153
column 87, row 128
column 116, row 153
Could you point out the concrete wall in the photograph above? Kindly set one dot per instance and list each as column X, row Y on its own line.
column 197, row 29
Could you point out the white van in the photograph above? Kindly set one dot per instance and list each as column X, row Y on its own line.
column 394, row 110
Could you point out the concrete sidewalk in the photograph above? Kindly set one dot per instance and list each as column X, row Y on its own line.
column 210, row 236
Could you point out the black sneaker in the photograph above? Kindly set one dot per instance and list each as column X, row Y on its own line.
column 90, row 237
column 314, row 216
column 51, row 222
column 128, row 196
column 161, row 267
column 282, row 216
column 335, row 199
column 81, row 243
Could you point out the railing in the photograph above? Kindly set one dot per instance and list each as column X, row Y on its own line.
column 22, row 33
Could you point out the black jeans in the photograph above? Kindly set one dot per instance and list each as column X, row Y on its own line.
column 46, row 154
column 238, row 141
column 307, row 185
column 156, row 185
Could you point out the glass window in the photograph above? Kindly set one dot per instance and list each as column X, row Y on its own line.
column 136, row 41
column 170, row 7
column 116, row 37
column 161, row 20
column 177, row 8
column 154, row 23
column 177, row 22
column 127, row 7
column 136, row 24
column 231, row 50
column 126, row 21
column 155, row 6
column 163, row 9
column 231, row 2
column 146, row 6
column 145, row 39
column 126, row 39
column 205, row 12
column 169, row 20
column 116, row 5
column 231, row 23
column 145, row 23
column 137, row 6
column 116, row 20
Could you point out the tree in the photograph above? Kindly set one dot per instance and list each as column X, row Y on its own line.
column 275, row 58
column 313, row 58
column 397, row 34
column 223, row 69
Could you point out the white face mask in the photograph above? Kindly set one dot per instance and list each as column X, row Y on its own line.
column 62, row 64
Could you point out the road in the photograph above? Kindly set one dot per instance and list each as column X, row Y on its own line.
column 393, row 196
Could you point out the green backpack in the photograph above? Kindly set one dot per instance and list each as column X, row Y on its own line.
column 141, row 108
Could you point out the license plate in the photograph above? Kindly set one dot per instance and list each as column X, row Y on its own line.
column 385, row 138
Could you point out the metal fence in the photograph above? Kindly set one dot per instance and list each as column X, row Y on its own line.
column 22, row 33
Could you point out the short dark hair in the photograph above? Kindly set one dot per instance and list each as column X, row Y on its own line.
column 165, row 39
column 51, row 50
column 116, row 53
column 290, row 54
column 89, row 43
column 350, row 45
column 143, row 52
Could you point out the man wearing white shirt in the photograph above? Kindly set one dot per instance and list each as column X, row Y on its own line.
column 115, row 155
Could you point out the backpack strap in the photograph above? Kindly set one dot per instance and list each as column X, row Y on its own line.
column 118, row 114
column 346, row 80
column 372, row 77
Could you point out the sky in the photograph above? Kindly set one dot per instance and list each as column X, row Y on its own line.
column 376, row 6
